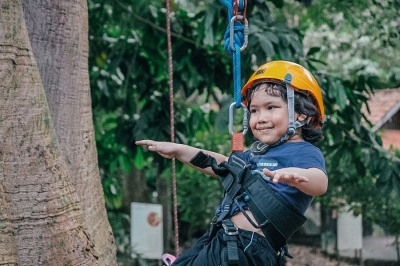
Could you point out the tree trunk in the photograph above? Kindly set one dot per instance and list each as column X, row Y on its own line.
column 165, row 197
column 51, row 200
column 135, row 179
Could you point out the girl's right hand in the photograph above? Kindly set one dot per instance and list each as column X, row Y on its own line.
column 165, row 149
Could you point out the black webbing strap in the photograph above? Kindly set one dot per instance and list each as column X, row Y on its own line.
column 231, row 233
column 274, row 215
column 233, row 168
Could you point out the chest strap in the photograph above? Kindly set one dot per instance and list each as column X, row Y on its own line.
column 277, row 219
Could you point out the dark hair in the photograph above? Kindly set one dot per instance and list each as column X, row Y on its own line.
column 304, row 104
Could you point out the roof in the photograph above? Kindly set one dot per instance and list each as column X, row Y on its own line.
column 383, row 104
column 391, row 138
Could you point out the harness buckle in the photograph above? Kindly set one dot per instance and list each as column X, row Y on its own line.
column 230, row 229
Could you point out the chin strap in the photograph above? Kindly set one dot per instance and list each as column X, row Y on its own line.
column 293, row 125
column 260, row 148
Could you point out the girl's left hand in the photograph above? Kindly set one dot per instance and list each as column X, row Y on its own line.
column 283, row 176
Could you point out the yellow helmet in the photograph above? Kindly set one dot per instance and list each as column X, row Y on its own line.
column 301, row 79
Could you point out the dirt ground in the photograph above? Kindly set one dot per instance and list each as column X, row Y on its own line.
column 311, row 256
column 303, row 256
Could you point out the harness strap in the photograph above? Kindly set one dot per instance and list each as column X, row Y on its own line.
column 231, row 233
column 274, row 215
column 233, row 168
column 233, row 185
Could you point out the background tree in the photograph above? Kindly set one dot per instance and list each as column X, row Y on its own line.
column 51, row 201
column 129, row 81
column 360, row 40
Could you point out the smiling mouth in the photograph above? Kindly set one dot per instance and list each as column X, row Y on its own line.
column 264, row 129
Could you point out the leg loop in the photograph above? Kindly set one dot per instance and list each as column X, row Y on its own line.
column 214, row 228
column 231, row 233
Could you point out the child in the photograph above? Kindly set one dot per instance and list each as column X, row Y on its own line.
column 286, row 116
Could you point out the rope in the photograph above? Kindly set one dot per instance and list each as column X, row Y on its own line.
column 236, row 38
column 172, row 124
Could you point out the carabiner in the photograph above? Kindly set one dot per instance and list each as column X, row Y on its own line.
column 245, row 32
column 245, row 118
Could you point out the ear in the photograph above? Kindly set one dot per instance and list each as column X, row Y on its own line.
column 302, row 118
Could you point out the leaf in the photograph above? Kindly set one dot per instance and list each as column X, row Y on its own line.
column 208, row 29
column 139, row 160
column 340, row 96
column 272, row 37
column 277, row 3
column 124, row 163
column 313, row 50
column 294, row 42
column 266, row 45
column 110, row 123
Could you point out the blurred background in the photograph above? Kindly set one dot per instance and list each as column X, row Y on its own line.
column 352, row 47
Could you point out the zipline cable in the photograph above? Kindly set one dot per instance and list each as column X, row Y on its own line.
column 172, row 124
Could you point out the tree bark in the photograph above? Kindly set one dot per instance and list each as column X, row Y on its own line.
column 51, row 200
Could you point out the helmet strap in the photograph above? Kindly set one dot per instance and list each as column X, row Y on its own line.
column 290, row 103
column 293, row 125
column 260, row 148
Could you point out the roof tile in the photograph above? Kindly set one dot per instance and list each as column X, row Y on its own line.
column 380, row 103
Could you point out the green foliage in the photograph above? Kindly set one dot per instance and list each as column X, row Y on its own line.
column 130, row 92
column 353, row 40
column 361, row 35
column 120, row 223
column 349, row 141
column 198, row 194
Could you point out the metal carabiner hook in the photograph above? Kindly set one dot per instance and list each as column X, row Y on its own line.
column 245, row 118
column 245, row 32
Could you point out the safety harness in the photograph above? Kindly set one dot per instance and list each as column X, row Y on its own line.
column 277, row 219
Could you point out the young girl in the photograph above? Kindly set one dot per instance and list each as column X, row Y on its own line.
column 286, row 116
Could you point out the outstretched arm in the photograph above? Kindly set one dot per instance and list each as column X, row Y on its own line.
column 311, row 181
column 181, row 152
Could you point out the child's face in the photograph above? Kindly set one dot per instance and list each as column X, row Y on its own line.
column 268, row 117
